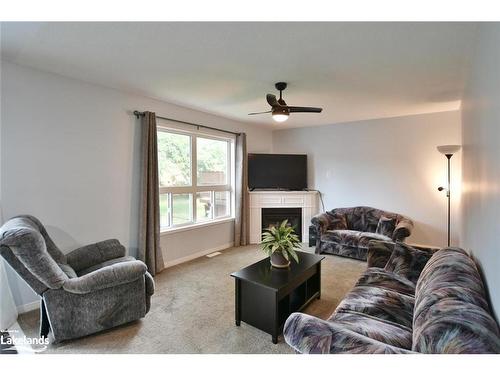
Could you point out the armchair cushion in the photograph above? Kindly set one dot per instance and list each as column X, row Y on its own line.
column 91, row 255
column 106, row 277
column 105, row 264
column 386, row 226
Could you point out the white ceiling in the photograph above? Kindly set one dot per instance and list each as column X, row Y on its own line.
column 355, row 71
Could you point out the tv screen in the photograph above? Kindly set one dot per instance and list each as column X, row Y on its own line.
column 277, row 171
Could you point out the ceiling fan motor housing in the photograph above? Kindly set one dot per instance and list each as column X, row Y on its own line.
column 280, row 86
column 281, row 111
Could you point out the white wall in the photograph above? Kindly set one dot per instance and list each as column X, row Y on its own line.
column 70, row 154
column 8, row 312
column 390, row 164
column 481, row 159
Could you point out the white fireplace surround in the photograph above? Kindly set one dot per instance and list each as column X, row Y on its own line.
column 306, row 200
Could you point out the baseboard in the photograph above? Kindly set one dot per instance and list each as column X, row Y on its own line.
column 28, row 307
column 199, row 254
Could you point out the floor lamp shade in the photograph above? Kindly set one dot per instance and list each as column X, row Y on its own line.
column 448, row 151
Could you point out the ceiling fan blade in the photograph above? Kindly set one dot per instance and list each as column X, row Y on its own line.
column 259, row 113
column 304, row 109
column 271, row 99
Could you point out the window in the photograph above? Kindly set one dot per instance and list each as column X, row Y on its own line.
column 195, row 173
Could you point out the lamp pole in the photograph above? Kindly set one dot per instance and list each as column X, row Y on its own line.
column 448, row 194
column 448, row 151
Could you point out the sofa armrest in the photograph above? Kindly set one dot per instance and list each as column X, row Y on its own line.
column 379, row 253
column 106, row 277
column 91, row 255
column 402, row 230
column 428, row 248
column 310, row 335
column 321, row 222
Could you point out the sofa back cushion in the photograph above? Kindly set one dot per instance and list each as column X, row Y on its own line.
column 363, row 218
column 451, row 314
column 337, row 221
column 386, row 226
column 26, row 242
column 407, row 261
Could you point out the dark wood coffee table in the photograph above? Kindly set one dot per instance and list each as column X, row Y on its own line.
column 266, row 296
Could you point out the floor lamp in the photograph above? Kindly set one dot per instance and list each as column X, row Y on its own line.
column 448, row 151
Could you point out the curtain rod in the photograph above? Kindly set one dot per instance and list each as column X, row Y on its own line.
column 140, row 114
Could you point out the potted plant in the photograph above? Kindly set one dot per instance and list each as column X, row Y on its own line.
column 280, row 244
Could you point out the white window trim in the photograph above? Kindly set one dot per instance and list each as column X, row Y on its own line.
column 193, row 188
column 183, row 228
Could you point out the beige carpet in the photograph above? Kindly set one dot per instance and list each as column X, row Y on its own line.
column 193, row 310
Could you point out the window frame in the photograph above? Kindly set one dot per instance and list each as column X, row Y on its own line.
column 194, row 188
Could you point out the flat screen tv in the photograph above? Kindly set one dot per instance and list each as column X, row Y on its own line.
column 277, row 171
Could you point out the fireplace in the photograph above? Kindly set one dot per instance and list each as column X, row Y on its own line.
column 274, row 216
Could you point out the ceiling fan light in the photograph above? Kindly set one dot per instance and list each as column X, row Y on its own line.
column 280, row 114
column 280, row 117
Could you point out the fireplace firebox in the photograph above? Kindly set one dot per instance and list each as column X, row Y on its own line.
column 274, row 216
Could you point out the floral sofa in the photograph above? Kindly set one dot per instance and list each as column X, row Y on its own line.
column 396, row 309
column 347, row 231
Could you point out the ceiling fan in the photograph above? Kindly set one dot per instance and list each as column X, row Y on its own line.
column 280, row 110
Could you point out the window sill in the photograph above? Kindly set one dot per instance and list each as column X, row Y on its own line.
column 165, row 232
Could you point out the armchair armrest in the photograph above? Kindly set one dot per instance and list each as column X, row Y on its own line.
column 90, row 255
column 106, row 277
column 310, row 335
column 379, row 253
column 402, row 230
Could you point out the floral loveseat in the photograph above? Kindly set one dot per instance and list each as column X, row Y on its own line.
column 347, row 231
column 395, row 309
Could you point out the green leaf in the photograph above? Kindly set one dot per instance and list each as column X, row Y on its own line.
column 282, row 238
column 294, row 255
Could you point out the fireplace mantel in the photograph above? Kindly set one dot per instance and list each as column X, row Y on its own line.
column 306, row 200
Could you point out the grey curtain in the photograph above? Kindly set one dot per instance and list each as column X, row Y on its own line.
column 241, row 221
column 149, row 236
